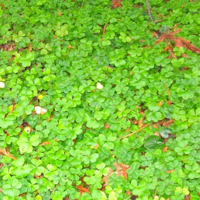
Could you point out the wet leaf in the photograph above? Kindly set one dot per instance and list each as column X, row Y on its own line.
column 165, row 133
column 153, row 142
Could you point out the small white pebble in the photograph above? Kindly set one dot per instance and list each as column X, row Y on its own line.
column 2, row 84
column 40, row 110
column 99, row 86
column 43, row 111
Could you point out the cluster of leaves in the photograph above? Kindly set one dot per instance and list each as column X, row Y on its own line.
column 76, row 78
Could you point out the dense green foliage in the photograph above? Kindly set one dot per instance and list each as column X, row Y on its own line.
column 61, row 50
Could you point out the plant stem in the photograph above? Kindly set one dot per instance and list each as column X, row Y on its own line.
column 134, row 132
column 149, row 10
column 52, row 192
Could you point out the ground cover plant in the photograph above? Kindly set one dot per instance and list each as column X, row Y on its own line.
column 98, row 100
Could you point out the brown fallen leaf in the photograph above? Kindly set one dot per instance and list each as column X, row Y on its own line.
column 30, row 47
column 23, row 195
column 106, row 126
column 82, row 189
column 140, row 123
column 2, row 6
column 164, row 123
column 49, row 119
column 187, row 197
column 70, row 47
column 154, row 34
column 135, row 121
column 104, row 29
column 169, row 102
column 6, row 153
column 116, row 3
column 161, row 122
column 155, row 125
column 11, row 47
column 59, row 14
column 105, row 178
column 5, row 131
column 4, row 47
column 137, row 6
column 167, row 90
column 45, row 143
column 24, row 124
column 172, row 55
column 121, row 169
column 179, row 42
column 134, row 197
column 141, row 112
column 37, row 177
column 96, row 147
column 8, row 47
column 157, row 134
column 184, row 55
column 165, row 149
column 168, row 48
column 165, row 140
column 13, row 106
column 170, row 171
column 185, row 68
column 168, row 123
